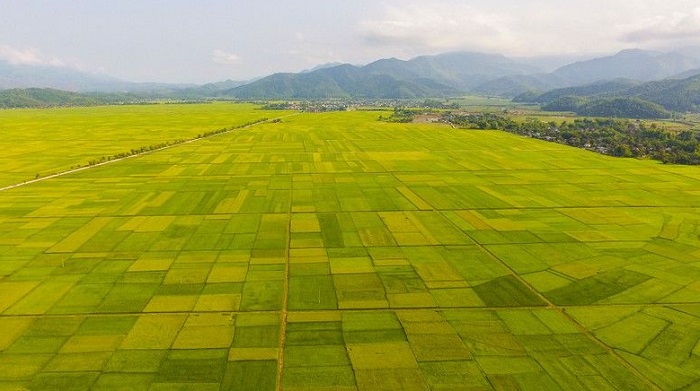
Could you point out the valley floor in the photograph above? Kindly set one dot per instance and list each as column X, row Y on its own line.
column 334, row 251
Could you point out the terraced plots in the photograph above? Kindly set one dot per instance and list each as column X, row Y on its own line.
column 332, row 251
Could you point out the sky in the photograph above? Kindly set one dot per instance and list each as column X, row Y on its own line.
column 188, row 41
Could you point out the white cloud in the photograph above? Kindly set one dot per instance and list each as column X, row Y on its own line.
column 312, row 51
column 222, row 57
column 32, row 56
column 438, row 25
column 536, row 27
column 675, row 27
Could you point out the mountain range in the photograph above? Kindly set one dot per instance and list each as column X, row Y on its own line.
column 635, row 64
column 463, row 72
column 672, row 94
column 68, row 79
column 440, row 75
column 450, row 74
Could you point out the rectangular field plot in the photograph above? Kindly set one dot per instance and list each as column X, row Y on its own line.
column 333, row 251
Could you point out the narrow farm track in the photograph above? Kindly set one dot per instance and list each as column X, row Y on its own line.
column 285, row 300
column 670, row 306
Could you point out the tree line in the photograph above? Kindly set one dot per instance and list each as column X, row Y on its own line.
column 615, row 137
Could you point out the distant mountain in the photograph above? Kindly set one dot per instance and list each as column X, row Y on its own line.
column 463, row 70
column 640, row 65
column 689, row 51
column 609, row 107
column 594, row 89
column 38, row 97
column 635, row 64
column 209, row 90
column 342, row 81
column 23, row 76
column 550, row 63
column 67, row 79
column 672, row 94
column 322, row 66
column 686, row 74
column 510, row 86
column 447, row 74
column 48, row 97
column 678, row 95
column 425, row 76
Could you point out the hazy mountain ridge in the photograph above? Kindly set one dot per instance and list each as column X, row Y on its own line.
column 49, row 97
column 623, row 107
column 448, row 74
column 28, row 76
column 673, row 94
column 634, row 64
column 343, row 81
column 424, row 76
column 677, row 95
column 465, row 72
column 68, row 79
column 588, row 90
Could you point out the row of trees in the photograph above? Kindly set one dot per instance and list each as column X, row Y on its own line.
column 616, row 137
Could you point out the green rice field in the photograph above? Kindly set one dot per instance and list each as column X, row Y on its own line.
column 335, row 252
column 48, row 141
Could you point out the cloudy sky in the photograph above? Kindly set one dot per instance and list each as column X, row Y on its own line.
column 210, row 40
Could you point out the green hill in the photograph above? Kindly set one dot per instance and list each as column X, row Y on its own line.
column 677, row 95
column 670, row 95
column 635, row 64
column 594, row 89
column 45, row 97
column 608, row 107
column 49, row 97
column 623, row 107
column 426, row 76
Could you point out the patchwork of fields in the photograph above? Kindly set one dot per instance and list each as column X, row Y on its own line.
column 332, row 251
column 41, row 142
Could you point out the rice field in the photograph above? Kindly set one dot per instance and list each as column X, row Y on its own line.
column 333, row 251
column 41, row 142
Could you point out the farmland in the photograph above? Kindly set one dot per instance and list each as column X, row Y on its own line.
column 47, row 141
column 334, row 251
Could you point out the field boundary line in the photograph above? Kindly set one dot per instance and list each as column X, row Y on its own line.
column 561, row 310
column 285, row 292
column 670, row 306
column 609, row 349
column 177, row 144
